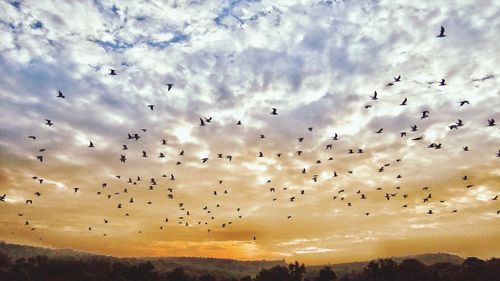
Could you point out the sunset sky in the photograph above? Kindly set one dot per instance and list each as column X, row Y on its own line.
column 317, row 62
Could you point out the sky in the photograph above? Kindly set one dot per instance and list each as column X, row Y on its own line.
column 317, row 62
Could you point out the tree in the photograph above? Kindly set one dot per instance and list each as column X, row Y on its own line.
column 207, row 277
column 297, row 271
column 276, row 273
column 326, row 274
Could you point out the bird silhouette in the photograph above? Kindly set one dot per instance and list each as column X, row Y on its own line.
column 91, row 144
column 60, row 95
column 442, row 83
column 462, row 103
column 112, row 72
column 374, row 97
column 274, row 111
column 169, row 86
column 202, row 123
column 441, row 33
column 404, row 102
column 491, row 122
column 2, row 198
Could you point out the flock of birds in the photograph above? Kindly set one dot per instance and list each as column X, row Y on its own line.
column 209, row 223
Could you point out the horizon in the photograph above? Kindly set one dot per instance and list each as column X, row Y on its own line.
column 307, row 130
column 410, row 255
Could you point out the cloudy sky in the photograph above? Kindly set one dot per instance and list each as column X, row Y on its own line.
column 316, row 62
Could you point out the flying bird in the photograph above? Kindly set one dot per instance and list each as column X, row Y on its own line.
column 60, row 95
column 441, row 33
column 112, row 72
column 169, row 86
column 274, row 111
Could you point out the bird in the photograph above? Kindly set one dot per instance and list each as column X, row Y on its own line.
column 335, row 137
column 75, row 189
column 491, row 122
column 2, row 198
column 169, row 86
column 414, row 128
column 60, row 95
column 238, row 123
column 374, row 97
column 112, row 72
column 151, row 106
column 274, row 111
column 91, row 144
column 379, row 131
column 261, row 154
column 123, row 158
column 465, row 148
column 144, row 153
column 208, row 120
column 441, row 33
column 442, row 83
column 40, row 158
column 402, row 134
column 32, row 137
column 462, row 103
column 202, row 123
column 29, row 201
column 404, row 102
column 397, row 79
column 310, row 129
column 425, row 114
column 204, row 160
column 48, row 122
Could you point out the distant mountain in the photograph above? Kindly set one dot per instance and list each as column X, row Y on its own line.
column 427, row 259
column 15, row 251
column 221, row 268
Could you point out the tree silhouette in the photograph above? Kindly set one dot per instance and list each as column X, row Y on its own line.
column 326, row 274
column 297, row 271
column 276, row 273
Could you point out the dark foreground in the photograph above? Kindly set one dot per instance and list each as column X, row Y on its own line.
column 43, row 268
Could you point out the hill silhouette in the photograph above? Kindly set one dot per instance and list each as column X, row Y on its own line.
column 218, row 268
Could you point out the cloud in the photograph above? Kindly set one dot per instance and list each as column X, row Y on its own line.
column 317, row 62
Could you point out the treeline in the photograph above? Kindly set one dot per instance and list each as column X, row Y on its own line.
column 42, row 268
